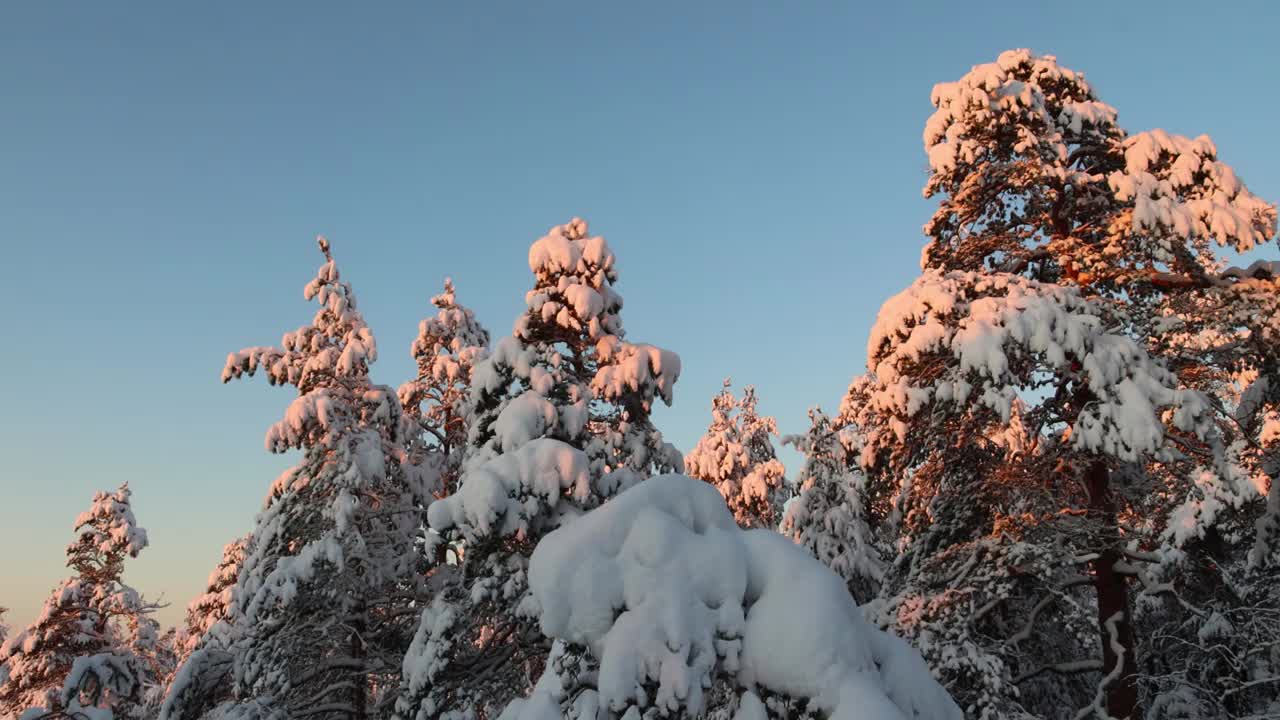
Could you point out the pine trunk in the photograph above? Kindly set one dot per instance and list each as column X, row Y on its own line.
column 359, row 693
column 1113, row 599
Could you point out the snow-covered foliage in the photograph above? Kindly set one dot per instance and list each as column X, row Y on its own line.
column 558, row 422
column 212, row 607
column 662, row 593
column 983, row 338
column 89, row 649
column 736, row 455
column 330, row 574
column 984, row 388
column 448, row 347
column 1035, row 176
column 831, row 517
column 568, row 354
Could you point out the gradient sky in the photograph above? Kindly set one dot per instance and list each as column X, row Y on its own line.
column 756, row 167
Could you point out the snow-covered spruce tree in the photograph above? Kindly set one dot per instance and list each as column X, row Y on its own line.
column 832, row 516
column 447, row 349
column 558, row 422
column 323, row 604
column 86, row 652
column 737, row 456
column 1035, row 177
column 658, row 596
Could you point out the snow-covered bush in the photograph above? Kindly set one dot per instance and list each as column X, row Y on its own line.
column 658, row 594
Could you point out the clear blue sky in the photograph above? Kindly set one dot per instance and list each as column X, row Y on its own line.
column 756, row 166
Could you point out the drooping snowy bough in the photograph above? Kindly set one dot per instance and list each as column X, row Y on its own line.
column 658, row 595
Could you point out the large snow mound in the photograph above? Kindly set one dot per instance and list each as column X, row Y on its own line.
column 666, row 592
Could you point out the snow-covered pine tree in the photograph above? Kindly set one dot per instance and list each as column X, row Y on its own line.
column 87, row 649
column 323, row 605
column 964, row 364
column 212, row 606
column 558, row 422
column 832, row 515
column 1035, row 178
column 737, row 456
column 447, row 349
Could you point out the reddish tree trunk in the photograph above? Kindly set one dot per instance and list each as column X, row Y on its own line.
column 1113, row 598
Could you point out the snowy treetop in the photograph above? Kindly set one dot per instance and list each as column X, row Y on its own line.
column 108, row 526
column 328, row 362
column 449, row 342
column 736, row 455
column 1048, row 106
column 573, row 291
column 1037, row 177
column 336, row 345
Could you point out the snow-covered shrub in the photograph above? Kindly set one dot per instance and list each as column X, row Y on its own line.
column 657, row 595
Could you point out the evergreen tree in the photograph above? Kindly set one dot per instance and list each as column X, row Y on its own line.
column 88, row 647
column 558, row 422
column 832, row 516
column 330, row 575
column 953, row 357
column 737, row 456
column 1036, row 180
column 448, row 347
column 214, row 604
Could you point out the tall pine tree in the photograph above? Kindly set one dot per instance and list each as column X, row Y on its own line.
column 1017, row 413
column 321, row 605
